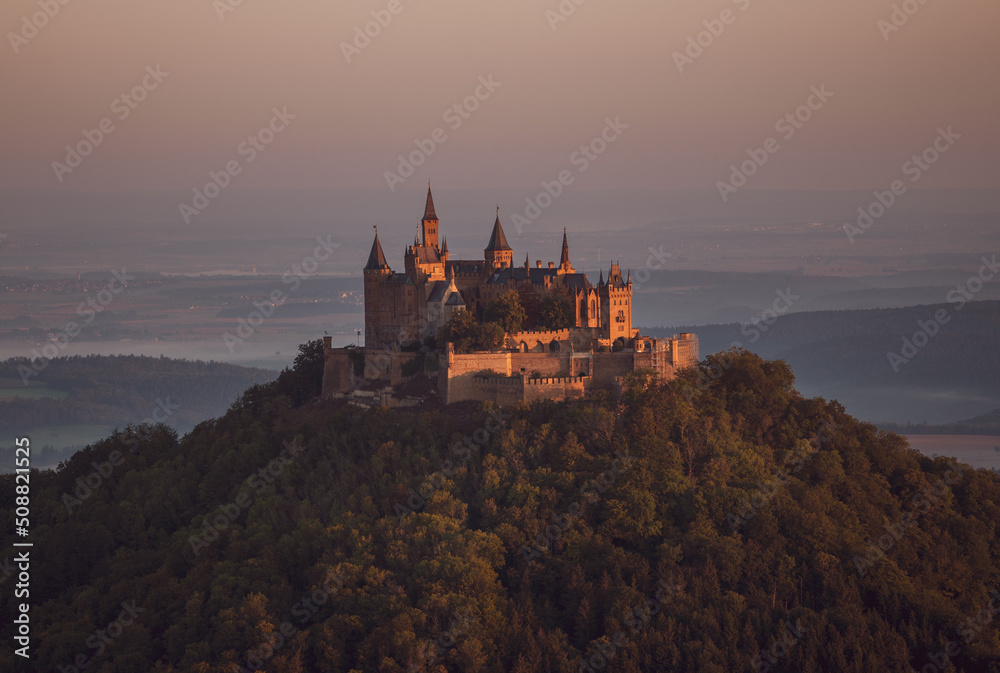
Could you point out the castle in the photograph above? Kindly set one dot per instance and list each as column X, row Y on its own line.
column 406, row 315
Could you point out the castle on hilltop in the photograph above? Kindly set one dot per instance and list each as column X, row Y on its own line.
column 406, row 315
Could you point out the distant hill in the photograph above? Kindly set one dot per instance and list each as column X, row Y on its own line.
column 987, row 424
column 718, row 522
column 845, row 354
column 75, row 400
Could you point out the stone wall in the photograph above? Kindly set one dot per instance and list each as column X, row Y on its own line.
column 570, row 388
column 610, row 366
column 338, row 369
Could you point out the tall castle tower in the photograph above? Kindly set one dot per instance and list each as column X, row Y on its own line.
column 429, row 225
column 616, row 303
column 498, row 254
column 378, row 297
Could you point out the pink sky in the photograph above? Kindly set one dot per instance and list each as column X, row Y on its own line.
column 557, row 87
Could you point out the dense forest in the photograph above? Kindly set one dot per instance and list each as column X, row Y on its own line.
column 717, row 522
column 116, row 390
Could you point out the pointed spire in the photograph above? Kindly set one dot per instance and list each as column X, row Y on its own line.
column 498, row 241
column 629, row 281
column 601, row 281
column 376, row 258
column 429, row 213
column 444, row 248
column 527, row 264
column 564, row 260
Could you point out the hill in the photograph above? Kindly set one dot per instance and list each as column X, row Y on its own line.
column 718, row 522
column 846, row 354
column 70, row 401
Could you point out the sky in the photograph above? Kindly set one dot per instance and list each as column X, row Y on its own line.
column 343, row 108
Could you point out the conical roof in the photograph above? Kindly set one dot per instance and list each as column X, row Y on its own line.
column 498, row 241
column 429, row 213
column 376, row 258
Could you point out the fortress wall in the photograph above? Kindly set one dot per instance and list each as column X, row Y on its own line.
column 580, row 337
column 555, row 389
column 338, row 370
column 548, row 364
column 397, row 360
column 501, row 391
column 609, row 366
column 455, row 377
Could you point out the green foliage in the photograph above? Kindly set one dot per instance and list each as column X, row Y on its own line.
column 469, row 335
column 406, row 528
column 462, row 330
column 556, row 313
column 304, row 381
column 507, row 312
column 491, row 336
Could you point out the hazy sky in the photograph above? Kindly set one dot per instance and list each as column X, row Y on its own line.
column 556, row 88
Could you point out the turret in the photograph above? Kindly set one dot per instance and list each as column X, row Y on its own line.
column 429, row 225
column 498, row 254
column 564, row 265
column 376, row 259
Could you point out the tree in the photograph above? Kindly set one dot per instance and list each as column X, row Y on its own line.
column 556, row 313
column 304, row 381
column 507, row 312
column 462, row 330
column 491, row 336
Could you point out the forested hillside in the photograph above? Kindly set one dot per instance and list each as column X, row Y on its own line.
column 719, row 522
